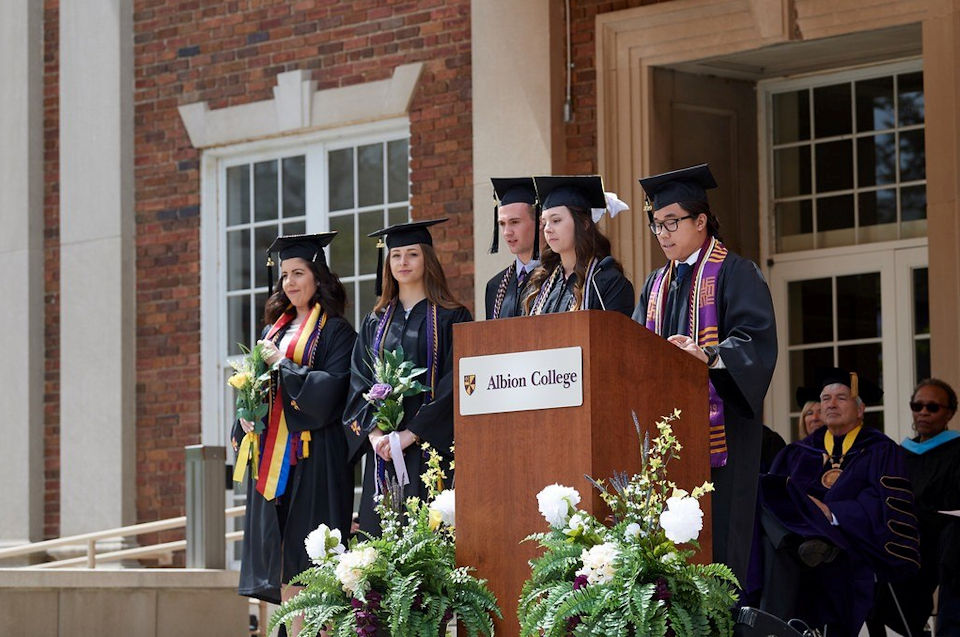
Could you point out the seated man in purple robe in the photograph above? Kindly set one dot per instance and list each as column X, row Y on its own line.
column 837, row 513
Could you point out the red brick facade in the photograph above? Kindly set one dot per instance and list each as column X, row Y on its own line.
column 229, row 53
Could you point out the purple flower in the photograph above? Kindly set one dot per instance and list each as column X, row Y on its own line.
column 379, row 391
column 662, row 590
column 581, row 581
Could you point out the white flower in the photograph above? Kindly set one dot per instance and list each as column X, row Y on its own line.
column 350, row 568
column 598, row 562
column 445, row 505
column 632, row 531
column 322, row 542
column 578, row 521
column 682, row 520
column 556, row 503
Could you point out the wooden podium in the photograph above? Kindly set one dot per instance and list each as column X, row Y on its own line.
column 505, row 459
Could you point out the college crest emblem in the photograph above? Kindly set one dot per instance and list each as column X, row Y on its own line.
column 470, row 383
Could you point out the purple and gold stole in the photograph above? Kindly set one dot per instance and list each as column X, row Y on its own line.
column 703, row 322
column 432, row 363
column 280, row 448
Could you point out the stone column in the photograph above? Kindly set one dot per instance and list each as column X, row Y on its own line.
column 97, row 266
column 517, row 108
column 941, row 85
column 21, row 265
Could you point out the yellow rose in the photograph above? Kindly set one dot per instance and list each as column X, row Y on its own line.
column 240, row 380
column 435, row 519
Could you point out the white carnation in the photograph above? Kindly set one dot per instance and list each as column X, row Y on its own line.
column 322, row 542
column 352, row 563
column 598, row 563
column 445, row 505
column 578, row 521
column 556, row 503
column 632, row 531
column 682, row 520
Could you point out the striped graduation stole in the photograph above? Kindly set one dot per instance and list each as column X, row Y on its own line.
column 703, row 323
column 280, row 448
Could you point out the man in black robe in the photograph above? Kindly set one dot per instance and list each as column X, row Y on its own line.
column 837, row 514
column 742, row 359
column 517, row 215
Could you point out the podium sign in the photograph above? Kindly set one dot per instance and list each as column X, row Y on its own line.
column 521, row 381
column 508, row 450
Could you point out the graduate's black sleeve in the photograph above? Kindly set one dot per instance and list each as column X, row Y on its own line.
column 358, row 414
column 748, row 332
column 490, row 296
column 615, row 290
column 640, row 312
column 433, row 422
column 313, row 398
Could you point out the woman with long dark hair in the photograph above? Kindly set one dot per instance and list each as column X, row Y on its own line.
column 415, row 311
column 577, row 271
column 303, row 478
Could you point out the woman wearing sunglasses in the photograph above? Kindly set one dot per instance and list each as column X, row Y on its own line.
column 933, row 464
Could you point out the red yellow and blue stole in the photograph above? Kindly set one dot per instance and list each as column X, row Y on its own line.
column 280, row 449
column 703, row 322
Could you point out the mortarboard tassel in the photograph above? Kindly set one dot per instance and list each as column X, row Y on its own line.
column 380, row 246
column 854, row 384
column 495, row 245
column 269, row 275
column 536, row 232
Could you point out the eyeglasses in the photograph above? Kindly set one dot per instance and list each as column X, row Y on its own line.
column 670, row 225
column 931, row 407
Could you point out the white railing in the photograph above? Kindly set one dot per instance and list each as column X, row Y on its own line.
column 92, row 558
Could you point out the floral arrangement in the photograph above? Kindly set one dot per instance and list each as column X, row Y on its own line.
column 405, row 582
column 251, row 379
column 394, row 379
column 631, row 578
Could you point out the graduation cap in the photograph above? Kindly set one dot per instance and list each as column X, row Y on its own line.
column 576, row 191
column 686, row 184
column 806, row 395
column 508, row 190
column 868, row 391
column 399, row 235
column 305, row 246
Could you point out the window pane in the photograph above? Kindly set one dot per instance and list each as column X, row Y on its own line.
column 910, row 100
column 913, row 203
column 791, row 117
column 873, row 420
column 794, row 220
column 340, row 178
column 834, row 213
column 370, row 174
column 792, row 171
column 804, row 364
column 265, row 190
column 238, row 195
column 834, row 165
column 295, row 227
column 294, row 186
column 367, row 296
column 878, row 207
column 341, row 249
column 263, row 236
column 399, row 214
column 811, row 309
column 922, row 354
column 831, row 115
column 876, row 161
column 238, row 259
column 912, row 156
column 238, row 323
column 858, row 306
column 398, row 178
column 865, row 358
column 351, row 307
column 368, row 222
column 921, row 305
column 875, row 104
column 258, row 324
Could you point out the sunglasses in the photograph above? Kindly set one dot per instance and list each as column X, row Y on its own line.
column 931, row 407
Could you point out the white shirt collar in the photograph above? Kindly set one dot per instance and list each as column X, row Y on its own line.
column 529, row 267
column 692, row 259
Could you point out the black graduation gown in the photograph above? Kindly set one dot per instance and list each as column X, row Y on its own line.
column 432, row 422
column 873, row 504
column 748, row 349
column 320, row 486
column 512, row 298
column 612, row 287
column 935, row 475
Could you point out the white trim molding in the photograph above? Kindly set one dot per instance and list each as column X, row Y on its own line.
column 297, row 107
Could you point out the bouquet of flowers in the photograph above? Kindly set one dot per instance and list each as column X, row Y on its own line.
column 251, row 379
column 632, row 578
column 405, row 582
column 394, row 379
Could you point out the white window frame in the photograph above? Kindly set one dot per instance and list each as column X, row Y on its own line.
column 213, row 167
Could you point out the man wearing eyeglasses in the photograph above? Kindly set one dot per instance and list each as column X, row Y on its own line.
column 715, row 306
